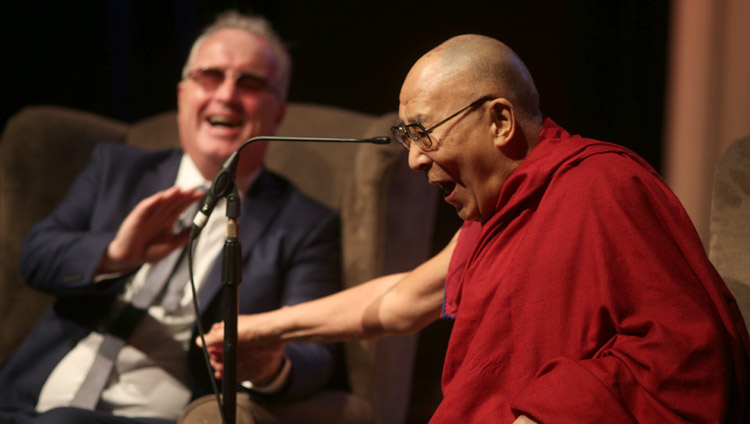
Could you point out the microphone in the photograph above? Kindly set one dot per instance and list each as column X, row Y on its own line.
column 224, row 180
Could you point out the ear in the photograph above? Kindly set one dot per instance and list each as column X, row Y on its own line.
column 503, row 121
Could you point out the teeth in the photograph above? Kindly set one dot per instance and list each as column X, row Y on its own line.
column 221, row 120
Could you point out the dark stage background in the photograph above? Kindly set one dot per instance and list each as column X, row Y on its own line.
column 599, row 66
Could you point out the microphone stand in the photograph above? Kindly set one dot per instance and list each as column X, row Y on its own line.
column 231, row 271
column 231, row 277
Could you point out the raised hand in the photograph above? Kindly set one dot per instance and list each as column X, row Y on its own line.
column 146, row 234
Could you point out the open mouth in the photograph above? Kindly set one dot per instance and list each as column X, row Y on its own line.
column 222, row 121
column 447, row 187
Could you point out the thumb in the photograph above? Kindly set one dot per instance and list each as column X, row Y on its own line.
column 214, row 336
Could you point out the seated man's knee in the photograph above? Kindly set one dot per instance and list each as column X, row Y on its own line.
column 205, row 410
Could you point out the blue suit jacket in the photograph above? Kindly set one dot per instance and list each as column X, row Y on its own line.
column 290, row 254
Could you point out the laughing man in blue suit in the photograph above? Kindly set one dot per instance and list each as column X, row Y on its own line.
column 98, row 248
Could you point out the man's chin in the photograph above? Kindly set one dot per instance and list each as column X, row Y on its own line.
column 220, row 150
column 212, row 140
column 466, row 213
column 460, row 211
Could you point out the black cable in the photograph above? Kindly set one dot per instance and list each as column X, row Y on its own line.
column 204, row 349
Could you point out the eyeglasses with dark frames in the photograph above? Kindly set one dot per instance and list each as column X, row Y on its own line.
column 211, row 79
column 415, row 132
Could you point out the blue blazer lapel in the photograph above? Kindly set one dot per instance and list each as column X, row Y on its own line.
column 259, row 209
column 160, row 177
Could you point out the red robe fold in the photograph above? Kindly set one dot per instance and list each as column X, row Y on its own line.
column 588, row 298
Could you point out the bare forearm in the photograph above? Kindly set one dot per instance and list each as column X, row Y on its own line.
column 389, row 305
column 334, row 318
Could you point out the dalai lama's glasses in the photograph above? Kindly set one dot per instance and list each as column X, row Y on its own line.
column 211, row 79
column 417, row 133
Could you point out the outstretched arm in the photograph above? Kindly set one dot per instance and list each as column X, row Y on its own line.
column 390, row 305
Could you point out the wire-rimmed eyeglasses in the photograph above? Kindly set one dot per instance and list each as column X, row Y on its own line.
column 405, row 134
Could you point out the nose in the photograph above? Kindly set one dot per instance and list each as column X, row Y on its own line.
column 418, row 160
column 227, row 90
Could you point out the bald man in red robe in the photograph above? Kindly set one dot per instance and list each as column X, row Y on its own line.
column 580, row 290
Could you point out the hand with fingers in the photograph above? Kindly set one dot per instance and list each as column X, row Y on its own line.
column 259, row 355
column 146, row 234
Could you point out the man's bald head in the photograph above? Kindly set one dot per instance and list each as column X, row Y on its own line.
column 486, row 67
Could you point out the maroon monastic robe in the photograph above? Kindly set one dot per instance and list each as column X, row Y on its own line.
column 588, row 298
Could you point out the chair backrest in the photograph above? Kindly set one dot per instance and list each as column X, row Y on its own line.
column 42, row 149
column 387, row 211
column 729, row 245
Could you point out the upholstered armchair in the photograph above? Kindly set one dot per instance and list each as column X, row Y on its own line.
column 387, row 214
column 729, row 245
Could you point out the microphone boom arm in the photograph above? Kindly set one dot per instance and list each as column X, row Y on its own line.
column 224, row 180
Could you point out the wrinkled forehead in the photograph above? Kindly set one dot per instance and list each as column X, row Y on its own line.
column 415, row 109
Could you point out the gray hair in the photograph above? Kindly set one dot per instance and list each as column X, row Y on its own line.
column 257, row 26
